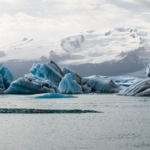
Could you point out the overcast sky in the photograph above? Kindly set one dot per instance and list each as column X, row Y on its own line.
column 58, row 18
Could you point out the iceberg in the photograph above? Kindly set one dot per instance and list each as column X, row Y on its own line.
column 55, row 67
column 140, row 88
column 86, row 88
column 2, row 87
column 7, row 76
column 102, row 85
column 74, row 75
column 148, row 70
column 50, row 95
column 47, row 72
column 122, row 80
column 42, row 82
column 144, row 93
column 26, row 86
column 69, row 86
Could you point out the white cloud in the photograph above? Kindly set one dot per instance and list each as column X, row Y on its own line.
column 54, row 18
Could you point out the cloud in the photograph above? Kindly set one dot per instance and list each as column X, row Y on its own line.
column 145, row 2
column 55, row 18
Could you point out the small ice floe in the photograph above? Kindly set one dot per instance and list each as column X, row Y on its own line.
column 143, row 100
column 49, row 95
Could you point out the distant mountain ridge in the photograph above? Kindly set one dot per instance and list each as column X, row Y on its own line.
column 116, row 52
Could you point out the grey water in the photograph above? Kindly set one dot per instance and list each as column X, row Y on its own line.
column 123, row 125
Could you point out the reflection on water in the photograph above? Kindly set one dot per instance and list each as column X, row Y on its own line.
column 124, row 125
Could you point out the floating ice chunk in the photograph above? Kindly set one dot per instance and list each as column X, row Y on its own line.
column 25, row 86
column 148, row 70
column 123, row 80
column 142, row 100
column 144, row 93
column 8, row 78
column 137, row 88
column 74, row 75
column 69, row 86
column 47, row 72
column 50, row 95
column 86, row 88
column 42, row 82
column 2, row 87
column 101, row 84
column 55, row 67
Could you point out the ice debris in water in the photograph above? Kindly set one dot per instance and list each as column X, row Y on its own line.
column 26, row 86
column 47, row 72
column 101, row 85
column 50, row 95
column 140, row 88
column 74, row 75
column 69, row 86
column 148, row 70
column 123, row 80
column 7, row 76
column 143, row 100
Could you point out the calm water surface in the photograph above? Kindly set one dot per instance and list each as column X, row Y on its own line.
column 124, row 125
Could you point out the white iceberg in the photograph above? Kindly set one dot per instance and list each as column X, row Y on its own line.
column 140, row 88
column 69, row 86
column 102, row 85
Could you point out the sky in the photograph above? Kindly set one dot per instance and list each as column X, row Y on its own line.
column 42, row 19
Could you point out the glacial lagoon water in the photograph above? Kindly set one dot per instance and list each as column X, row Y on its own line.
column 123, row 125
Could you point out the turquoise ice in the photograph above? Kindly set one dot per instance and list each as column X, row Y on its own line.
column 47, row 72
column 26, row 86
column 7, row 76
column 69, row 86
column 50, row 95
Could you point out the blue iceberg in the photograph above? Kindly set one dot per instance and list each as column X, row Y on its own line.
column 7, row 76
column 42, row 82
column 55, row 67
column 47, row 72
column 26, row 86
column 101, row 85
column 50, row 95
column 69, row 86
column 74, row 75
column 122, row 80
column 2, row 87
